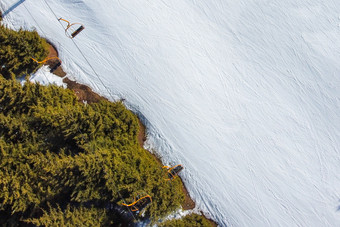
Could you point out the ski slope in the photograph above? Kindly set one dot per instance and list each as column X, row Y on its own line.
column 244, row 94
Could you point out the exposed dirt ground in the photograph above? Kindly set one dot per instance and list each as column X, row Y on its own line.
column 83, row 92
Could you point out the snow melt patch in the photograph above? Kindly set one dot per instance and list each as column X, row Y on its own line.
column 44, row 77
column 179, row 213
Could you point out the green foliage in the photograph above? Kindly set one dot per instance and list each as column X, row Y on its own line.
column 192, row 220
column 56, row 151
column 16, row 50
column 80, row 216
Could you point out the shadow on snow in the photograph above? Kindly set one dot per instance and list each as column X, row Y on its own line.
column 10, row 9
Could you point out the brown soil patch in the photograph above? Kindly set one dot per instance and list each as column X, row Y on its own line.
column 188, row 203
column 52, row 52
column 141, row 134
column 83, row 92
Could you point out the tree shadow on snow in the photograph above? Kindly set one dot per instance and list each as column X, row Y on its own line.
column 10, row 9
column 338, row 209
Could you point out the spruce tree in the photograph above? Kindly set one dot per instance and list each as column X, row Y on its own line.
column 17, row 48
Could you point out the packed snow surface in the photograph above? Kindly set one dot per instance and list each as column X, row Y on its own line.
column 44, row 77
column 245, row 94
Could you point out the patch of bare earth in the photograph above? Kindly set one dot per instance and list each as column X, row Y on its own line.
column 52, row 52
column 141, row 134
column 84, row 93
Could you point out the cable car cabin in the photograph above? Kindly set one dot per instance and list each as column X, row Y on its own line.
column 173, row 171
column 139, row 204
column 72, row 29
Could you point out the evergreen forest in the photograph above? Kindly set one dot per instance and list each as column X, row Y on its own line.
column 66, row 163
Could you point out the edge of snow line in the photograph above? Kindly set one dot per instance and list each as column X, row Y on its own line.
column 155, row 143
column 45, row 77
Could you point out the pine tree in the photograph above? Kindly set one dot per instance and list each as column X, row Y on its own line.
column 17, row 50
column 71, row 216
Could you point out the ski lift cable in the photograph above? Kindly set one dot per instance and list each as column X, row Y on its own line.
column 37, row 22
column 34, row 20
column 98, row 79
column 48, row 58
column 81, row 52
column 43, row 72
column 68, row 112
column 88, row 62
column 95, row 72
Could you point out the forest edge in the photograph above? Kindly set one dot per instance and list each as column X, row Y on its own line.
column 85, row 94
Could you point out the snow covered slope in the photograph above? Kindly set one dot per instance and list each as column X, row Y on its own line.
column 244, row 93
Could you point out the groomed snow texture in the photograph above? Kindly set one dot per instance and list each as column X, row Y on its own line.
column 245, row 94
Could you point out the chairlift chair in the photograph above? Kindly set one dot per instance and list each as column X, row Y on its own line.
column 72, row 29
column 173, row 171
column 47, row 59
column 139, row 204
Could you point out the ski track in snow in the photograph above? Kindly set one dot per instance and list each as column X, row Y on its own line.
column 244, row 94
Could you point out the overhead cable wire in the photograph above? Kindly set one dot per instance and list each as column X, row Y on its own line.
column 88, row 62
column 68, row 112
column 44, row 73
column 81, row 52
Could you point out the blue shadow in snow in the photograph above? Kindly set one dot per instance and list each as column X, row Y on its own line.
column 10, row 9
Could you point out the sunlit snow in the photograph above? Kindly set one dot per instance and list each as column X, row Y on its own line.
column 44, row 77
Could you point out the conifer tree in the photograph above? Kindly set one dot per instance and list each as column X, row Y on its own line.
column 71, row 216
column 17, row 50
